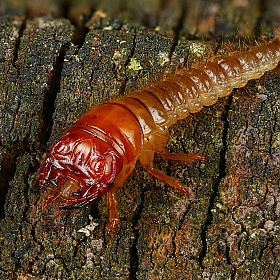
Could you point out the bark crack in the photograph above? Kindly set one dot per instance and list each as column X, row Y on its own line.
column 216, row 183
column 16, row 50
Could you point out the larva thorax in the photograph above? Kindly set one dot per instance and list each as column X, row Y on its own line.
column 189, row 89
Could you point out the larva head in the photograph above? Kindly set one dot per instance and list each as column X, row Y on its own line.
column 78, row 169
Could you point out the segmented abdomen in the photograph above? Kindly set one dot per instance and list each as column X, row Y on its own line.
column 189, row 89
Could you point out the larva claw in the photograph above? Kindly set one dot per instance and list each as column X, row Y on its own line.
column 187, row 191
column 112, row 226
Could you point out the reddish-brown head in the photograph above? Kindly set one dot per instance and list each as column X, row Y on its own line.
column 78, row 169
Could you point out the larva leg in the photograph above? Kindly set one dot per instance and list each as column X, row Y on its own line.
column 187, row 158
column 172, row 182
column 113, row 209
column 112, row 197
column 147, row 159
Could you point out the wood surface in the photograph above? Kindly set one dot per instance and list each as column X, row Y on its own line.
column 60, row 58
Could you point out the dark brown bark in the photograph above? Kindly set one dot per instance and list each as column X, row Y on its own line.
column 52, row 71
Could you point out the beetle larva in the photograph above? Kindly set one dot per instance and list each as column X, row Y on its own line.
column 100, row 150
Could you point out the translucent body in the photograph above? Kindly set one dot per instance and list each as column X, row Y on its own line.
column 100, row 150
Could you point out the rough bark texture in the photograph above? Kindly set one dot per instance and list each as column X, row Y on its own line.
column 53, row 70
